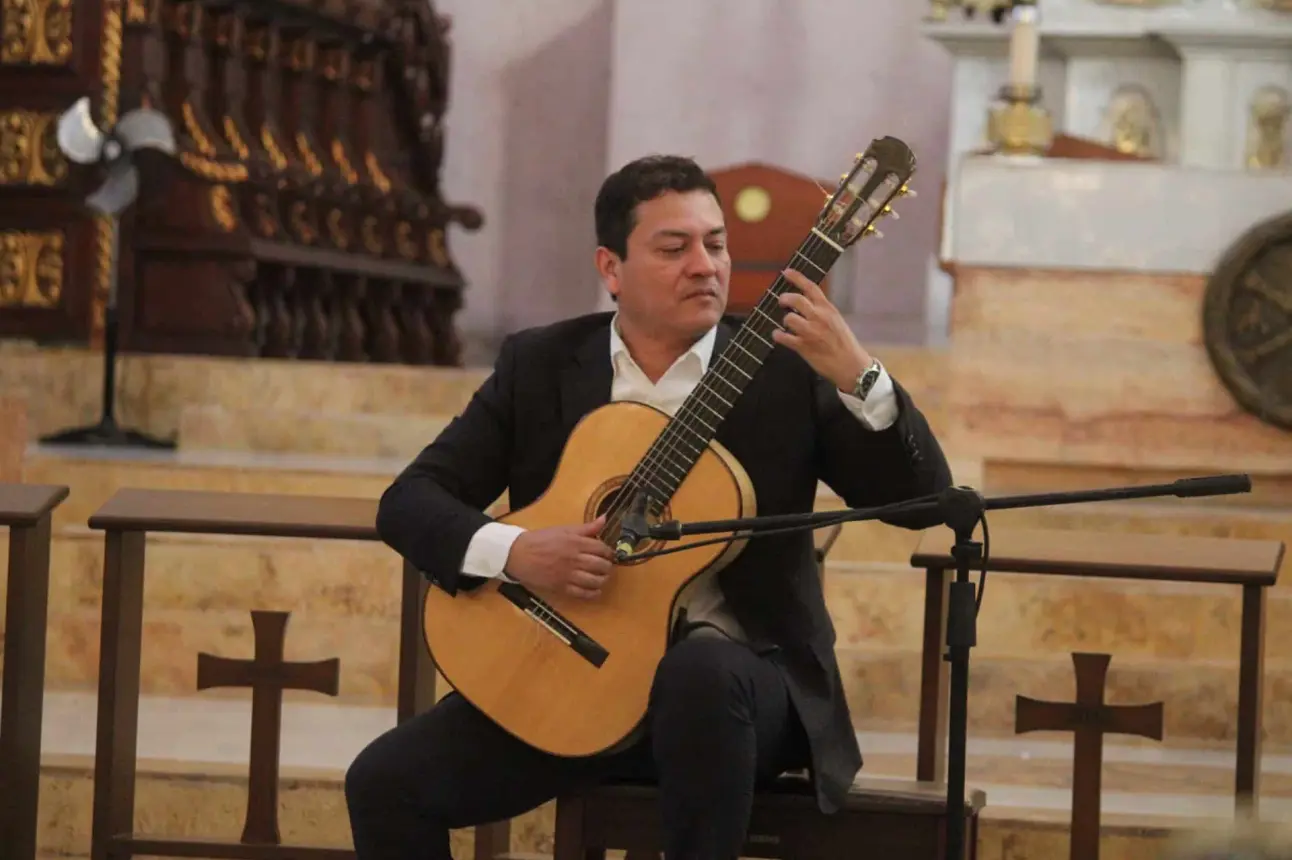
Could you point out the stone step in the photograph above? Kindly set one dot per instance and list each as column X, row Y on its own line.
column 155, row 390
column 348, row 434
column 192, row 765
column 95, row 476
column 875, row 605
column 1176, row 642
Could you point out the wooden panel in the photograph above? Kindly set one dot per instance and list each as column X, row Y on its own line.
column 768, row 211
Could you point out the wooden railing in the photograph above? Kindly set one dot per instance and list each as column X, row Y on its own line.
column 26, row 509
column 1249, row 565
column 127, row 518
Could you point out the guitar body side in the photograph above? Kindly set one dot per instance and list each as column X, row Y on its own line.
column 530, row 681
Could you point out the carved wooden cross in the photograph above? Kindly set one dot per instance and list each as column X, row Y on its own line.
column 1089, row 719
column 268, row 676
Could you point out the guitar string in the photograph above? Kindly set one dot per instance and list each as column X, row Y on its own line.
column 666, row 445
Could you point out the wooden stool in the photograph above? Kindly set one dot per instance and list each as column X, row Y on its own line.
column 889, row 818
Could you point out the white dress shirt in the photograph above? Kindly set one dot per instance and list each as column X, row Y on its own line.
column 487, row 552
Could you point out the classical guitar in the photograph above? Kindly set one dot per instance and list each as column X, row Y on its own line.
column 573, row 677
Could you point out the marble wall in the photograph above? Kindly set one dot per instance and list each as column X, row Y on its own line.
column 1095, row 369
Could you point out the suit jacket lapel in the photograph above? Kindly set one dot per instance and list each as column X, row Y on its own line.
column 586, row 379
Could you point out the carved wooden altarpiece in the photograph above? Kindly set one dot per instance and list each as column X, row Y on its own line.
column 302, row 216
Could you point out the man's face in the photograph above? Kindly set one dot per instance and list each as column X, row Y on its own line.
column 675, row 280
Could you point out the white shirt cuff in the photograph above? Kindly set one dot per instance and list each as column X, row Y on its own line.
column 879, row 410
column 488, row 549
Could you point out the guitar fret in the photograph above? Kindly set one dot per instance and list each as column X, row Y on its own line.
column 809, row 261
column 775, row 323
column 725, row 401
column 737, row 367
column 711, row 409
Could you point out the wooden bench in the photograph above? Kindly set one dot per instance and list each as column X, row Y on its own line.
column 1249, row 565
column 127, row 518
column 27, row 511
column 891, row 818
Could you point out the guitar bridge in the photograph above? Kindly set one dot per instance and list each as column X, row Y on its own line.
column 555, row 623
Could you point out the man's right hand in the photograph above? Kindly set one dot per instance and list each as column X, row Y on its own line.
column 567, row 559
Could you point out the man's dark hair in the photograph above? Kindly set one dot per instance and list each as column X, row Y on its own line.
column 639, row 181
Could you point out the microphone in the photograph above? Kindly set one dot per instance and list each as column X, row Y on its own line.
column 1214, row 485
column 633, row 528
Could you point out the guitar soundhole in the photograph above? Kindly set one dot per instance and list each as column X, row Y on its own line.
column 610, row 497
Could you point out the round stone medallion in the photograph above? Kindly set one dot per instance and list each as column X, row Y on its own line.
column 1247, row 321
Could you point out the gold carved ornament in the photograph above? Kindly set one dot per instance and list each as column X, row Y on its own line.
column 31, row 269
column 435, row 245
column 1247, row 321
column 1267, row 129
column 301, row 223
column 136, row 11
column 222, row 209
column 29, row 153
column 372, row 241
column 404, row 241
column 336, row 229
column 36, row 32
column 111, row 44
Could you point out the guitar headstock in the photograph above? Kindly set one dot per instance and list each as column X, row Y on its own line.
column 865, row 193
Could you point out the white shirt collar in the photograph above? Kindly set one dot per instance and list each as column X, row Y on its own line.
column 701, row 349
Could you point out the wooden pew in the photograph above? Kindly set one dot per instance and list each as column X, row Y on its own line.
column 26, row 510
column 1249, row 565
column 127, row 518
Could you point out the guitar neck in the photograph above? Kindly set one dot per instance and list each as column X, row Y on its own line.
column 679, row 446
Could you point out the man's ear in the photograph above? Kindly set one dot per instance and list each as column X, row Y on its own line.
column 608, row 265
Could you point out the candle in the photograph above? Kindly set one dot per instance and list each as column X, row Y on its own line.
column 1024, row 47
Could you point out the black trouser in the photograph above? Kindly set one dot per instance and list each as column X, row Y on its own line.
column 720, row 723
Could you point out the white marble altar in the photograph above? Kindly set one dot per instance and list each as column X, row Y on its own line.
column 1193, row 67
column 1076, row 215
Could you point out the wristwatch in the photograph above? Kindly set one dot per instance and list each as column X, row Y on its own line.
column 866, row 379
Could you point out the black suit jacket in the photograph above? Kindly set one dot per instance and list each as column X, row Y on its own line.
column 789, row 429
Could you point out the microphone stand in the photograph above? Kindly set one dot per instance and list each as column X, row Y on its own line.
column 961, row 509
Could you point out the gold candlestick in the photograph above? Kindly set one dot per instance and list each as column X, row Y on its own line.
column 1017, row 124
column 938, row 9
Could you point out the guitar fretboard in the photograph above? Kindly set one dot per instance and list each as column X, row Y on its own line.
column 675, row 452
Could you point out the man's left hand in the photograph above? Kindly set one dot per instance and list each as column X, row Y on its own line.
column 816, row 330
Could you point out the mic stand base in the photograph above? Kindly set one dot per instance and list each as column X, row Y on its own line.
column 962, row 510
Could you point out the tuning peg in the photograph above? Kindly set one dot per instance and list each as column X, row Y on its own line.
column 889, row 212
column 871, row 231
column 907, row 191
